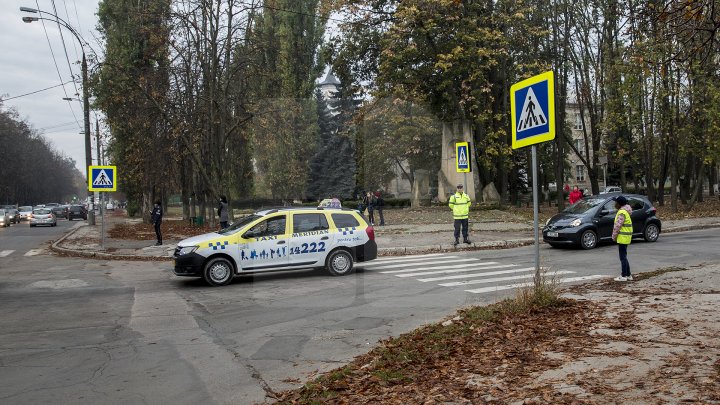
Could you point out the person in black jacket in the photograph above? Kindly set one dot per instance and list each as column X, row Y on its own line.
column 379, row 206
column 156, row 218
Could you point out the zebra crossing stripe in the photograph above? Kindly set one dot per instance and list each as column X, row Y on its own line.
column 501, row 279
column 33, row 252
column 475, row 269
column 472, row 275
column 438, row 262
column 4, row 253
column 524, row 285
column 419, row 270
column 406, row 259
column 476, row 275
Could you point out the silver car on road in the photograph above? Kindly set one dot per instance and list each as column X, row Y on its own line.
column 42, row 216
column 4, row 218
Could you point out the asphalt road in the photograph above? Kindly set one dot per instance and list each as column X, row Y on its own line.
column 91, row 331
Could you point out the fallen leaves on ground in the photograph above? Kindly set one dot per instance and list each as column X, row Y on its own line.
column 171, row 229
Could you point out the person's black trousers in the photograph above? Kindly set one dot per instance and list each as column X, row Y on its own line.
column 158, row 233
column 624, row 264
column 382, row 218
column 461, row 223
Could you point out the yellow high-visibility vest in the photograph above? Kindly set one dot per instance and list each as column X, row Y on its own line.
column 626, row 230
column 460, row 205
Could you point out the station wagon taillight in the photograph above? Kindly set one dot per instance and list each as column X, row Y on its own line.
column 370, row 232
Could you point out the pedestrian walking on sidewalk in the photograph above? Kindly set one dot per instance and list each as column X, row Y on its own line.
column 460, row 206
column 622, row 234
column 575, row 195
column 369, row 201
column 379, row 204
column 223, row 212
column 156, row 218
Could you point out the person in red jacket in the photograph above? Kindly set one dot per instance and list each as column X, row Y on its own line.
column 575, row 195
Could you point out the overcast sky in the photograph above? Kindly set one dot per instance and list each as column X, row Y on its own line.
column 26, row 65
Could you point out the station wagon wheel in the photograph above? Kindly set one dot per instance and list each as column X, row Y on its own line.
column 218, row 272
column 651, row 233
column 340, row 263
column 588, row 240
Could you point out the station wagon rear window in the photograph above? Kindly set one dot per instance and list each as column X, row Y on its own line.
column 344, row 220
column 309, row 223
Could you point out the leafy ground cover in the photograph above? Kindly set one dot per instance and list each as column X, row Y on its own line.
column 624, row 346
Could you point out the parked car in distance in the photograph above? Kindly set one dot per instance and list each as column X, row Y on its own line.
column 110, row 206
column 25, row 212
column 590, row 221
column 4, row 218
column 76, row 211
column 42, row 216
column 611, row 189
column 14, row 215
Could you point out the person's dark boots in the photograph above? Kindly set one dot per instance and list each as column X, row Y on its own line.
column 466, row 240
column 456, row 242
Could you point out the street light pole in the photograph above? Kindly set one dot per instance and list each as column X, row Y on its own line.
column 86, row 97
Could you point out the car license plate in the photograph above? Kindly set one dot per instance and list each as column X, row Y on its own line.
column 552, row 234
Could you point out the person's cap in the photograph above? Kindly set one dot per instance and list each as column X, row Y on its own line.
column 459, row 186
column 620, row 200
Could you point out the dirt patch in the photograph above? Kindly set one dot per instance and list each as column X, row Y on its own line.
column 172, row 229
column 652, row 341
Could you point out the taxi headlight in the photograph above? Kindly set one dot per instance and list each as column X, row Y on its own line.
column 576, row 222
column 186, row 250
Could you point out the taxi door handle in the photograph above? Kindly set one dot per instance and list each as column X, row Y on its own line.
column 282, row 242
column 324, row 238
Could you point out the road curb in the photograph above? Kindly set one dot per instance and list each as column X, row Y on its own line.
column 390, row 251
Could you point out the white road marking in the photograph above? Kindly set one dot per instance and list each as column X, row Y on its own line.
column 467, row 267
column 473, row 275
column 403, row 259
column 501, row 279
column 443, row 261
column 523, row 285
column 33, row 252
column 6, row 253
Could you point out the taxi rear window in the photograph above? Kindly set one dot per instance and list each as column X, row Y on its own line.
column 309, row 222
column 345, row 220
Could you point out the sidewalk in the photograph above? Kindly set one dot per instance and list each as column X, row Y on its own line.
column 84, row 240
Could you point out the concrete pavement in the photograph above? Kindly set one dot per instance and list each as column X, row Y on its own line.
column 84, row 240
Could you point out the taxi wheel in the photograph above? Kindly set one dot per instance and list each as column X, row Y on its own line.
column 218, row 272
column 340, row 263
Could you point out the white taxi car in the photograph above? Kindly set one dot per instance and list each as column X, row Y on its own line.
column 278, row 240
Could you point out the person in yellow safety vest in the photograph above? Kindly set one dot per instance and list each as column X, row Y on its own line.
column 460, row 205
column 622, row 234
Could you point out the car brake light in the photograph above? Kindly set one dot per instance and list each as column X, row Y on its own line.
column 370, row 232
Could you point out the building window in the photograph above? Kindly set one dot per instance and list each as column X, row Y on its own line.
column 580, row 173
column 578, row 121
column 580, row 145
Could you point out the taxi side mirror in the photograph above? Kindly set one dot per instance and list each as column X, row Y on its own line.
column 604, row 212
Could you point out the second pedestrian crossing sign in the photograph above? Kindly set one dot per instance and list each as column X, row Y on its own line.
column 532, row 106
column 462, row 157
column 102, row 178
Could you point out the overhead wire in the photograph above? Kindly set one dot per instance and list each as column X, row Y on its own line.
column 36, row 91
column 57, row 69
column 62, row 39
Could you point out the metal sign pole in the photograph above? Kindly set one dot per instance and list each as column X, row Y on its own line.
column 102, row 210
column 535, row 214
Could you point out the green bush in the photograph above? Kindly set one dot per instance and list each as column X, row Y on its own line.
column 133, row 208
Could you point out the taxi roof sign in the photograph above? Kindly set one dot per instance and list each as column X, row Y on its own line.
column 532, row 108
column 102, row 178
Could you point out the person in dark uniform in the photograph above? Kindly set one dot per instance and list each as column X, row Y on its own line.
column 156, row 218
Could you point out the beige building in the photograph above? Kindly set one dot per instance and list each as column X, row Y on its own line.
column 577, row 175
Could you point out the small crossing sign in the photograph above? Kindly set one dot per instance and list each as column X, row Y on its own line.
column 102, row 178
column 532, row 106
column 462, row 157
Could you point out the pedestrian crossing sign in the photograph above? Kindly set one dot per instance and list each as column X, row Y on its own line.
column 462, row 157
column 532, row 107
column 102, row 178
